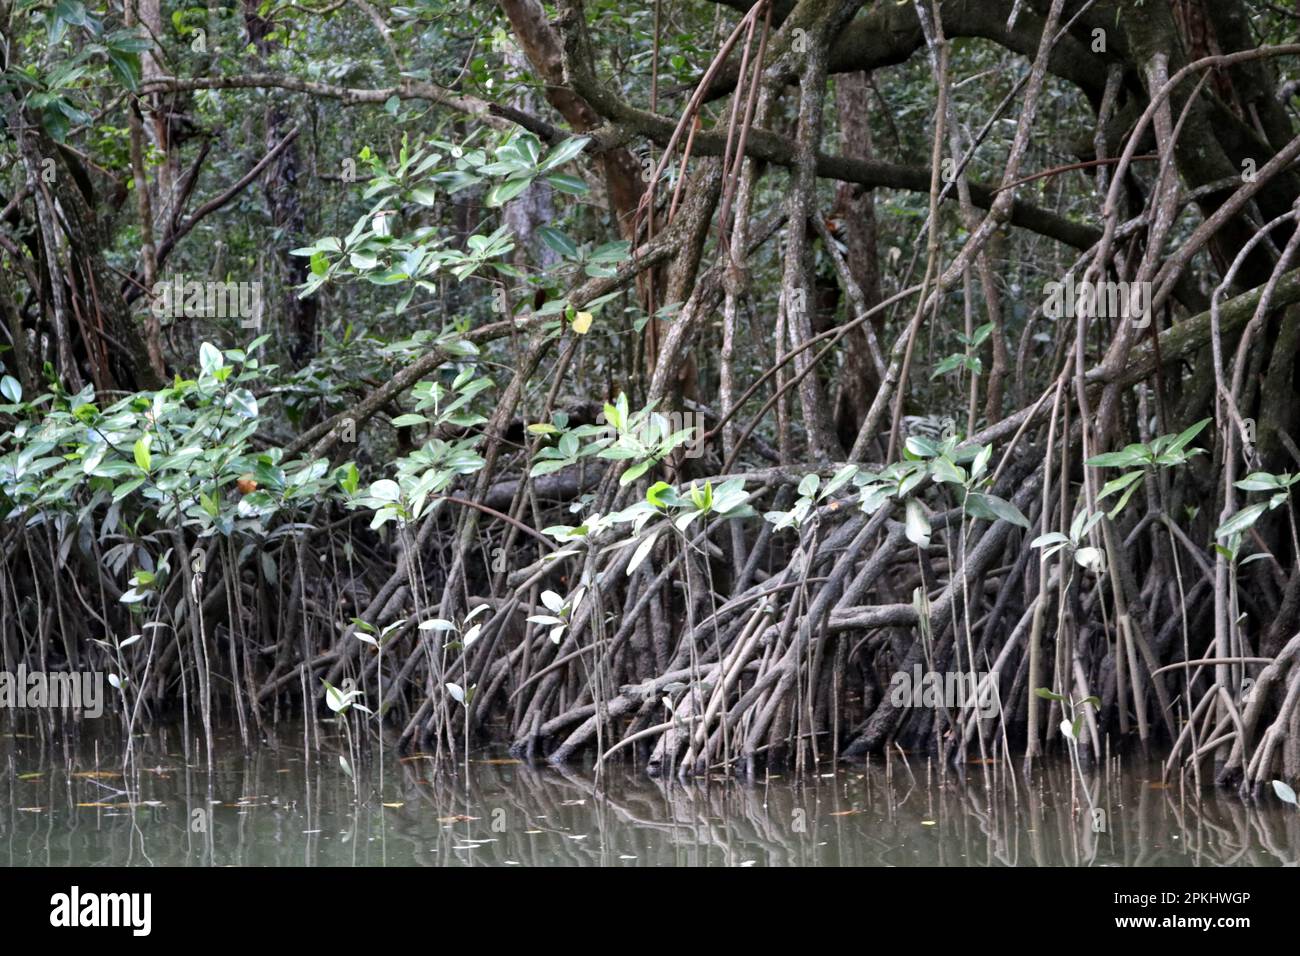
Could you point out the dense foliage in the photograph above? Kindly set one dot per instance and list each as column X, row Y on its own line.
column 660, row 379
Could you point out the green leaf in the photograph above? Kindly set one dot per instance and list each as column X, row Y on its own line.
column 1256, row 481
column 564, row 152
column 1007, row 511
column 567, row 184
column 128, row 41
column 142, row 457
column 1088, row 558
column 386, row 490
column 1119, row 484
column 944, row 470
column 642, row 552
column 387, row 277
column 873, row 496
column 1241, row 521
column 635, row 472
column 1183, row 438
column 991, row 507
column 56, row 124
column 1123, row 500
column 1046, row 694
column 558, row 241
column 244, row 403
column 917, row 526
column 702, row 497
column 655, row 494
column 956, row 360
column 210, row 358
column 546, row 467
column 335, row 699
column 839, row 480
column 502, row 193
column 405, row 421
column 125, row 68
column 91, row 461
column 921, row 447
column 122, row 490
column 11, row 389
column 1132, row 455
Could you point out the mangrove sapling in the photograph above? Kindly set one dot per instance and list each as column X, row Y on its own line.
column 1084, row 556
column 1230, row 532
column 340, row 701
column 463, row 696
column 1070, row 727
column 119, row 683
column 1166, row 451
column 367, row 634
column 153, row 627
column 462, row 693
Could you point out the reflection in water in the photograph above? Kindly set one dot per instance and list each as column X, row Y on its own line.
column 282, row 805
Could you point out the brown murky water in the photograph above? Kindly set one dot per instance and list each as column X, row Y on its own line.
column 282, row 805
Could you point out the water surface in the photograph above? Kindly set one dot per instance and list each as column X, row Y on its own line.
column 283, row 804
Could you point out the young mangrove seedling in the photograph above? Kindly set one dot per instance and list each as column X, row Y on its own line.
column 1070, row 729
